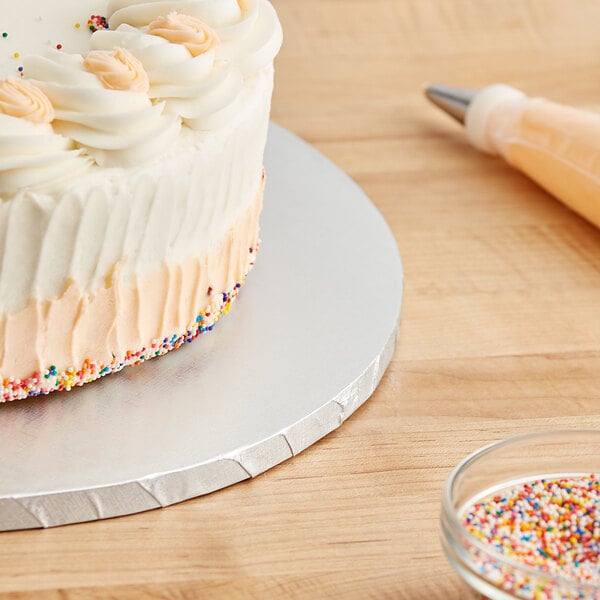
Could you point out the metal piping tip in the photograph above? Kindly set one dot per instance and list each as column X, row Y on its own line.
column 453, row 100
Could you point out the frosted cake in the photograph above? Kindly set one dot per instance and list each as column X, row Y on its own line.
column 131, row 146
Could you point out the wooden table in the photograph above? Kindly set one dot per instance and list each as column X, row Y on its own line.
column 500, row 330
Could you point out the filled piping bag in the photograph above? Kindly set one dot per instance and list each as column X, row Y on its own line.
column 557, row 146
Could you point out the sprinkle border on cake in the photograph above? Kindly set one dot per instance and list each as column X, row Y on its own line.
column 54, row 380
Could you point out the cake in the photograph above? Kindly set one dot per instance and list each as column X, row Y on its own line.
column 132, row 135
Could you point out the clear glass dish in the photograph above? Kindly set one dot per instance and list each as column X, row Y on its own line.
column 492, row 470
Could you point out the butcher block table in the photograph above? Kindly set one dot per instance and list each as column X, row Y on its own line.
column 500, row 331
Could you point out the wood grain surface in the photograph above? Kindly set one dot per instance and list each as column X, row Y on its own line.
column 500, row 329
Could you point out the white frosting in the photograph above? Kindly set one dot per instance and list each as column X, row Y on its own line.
column 115, row 127
column 249, row 29
column 203, row 91
column 125, row 128
column 32, row 153
column 216, row 13
column 139, row 218
column 116, row 181
column 254, row 41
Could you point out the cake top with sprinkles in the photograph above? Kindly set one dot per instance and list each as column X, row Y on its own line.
column 34, row 26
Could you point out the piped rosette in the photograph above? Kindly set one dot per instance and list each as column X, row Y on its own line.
column 101, row 103
column 179, row 54
column 31, row 153
column 249, row 32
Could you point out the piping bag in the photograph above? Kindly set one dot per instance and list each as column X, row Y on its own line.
column 557, row 146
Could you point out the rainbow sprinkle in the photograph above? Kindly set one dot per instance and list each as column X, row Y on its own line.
column 96, row 22
column 549, row 525
column 53, row 379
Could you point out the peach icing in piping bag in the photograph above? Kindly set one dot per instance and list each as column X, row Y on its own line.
column 555, row 145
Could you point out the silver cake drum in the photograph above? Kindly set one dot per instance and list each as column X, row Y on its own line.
column 306, row 343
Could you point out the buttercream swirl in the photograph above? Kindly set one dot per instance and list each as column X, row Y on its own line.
column 249, row 30
column 33, row 156
column 117, row 128
column 22, row 99
column 192, row 33
column 164, row 62
column 138, row 13
column 204, row 91
column 118, row 70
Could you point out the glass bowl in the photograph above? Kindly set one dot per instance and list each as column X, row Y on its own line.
column 491, row 471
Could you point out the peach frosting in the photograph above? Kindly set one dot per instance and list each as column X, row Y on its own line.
column 557, row 146
column 118, row 70
column 125, row 315
column 188, row 31
column 22, row 99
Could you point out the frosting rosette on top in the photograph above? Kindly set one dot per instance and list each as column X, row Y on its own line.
column 192, row 33
column 205, row 92
column 21, row 99
column 31, row 153
column 118, row 70
column 164, row 62
column 249, row 30
column 115, row 127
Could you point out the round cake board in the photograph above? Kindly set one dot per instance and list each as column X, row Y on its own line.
column 305, row 344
